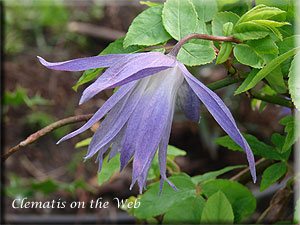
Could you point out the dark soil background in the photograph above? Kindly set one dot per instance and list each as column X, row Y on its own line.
column 63, row 163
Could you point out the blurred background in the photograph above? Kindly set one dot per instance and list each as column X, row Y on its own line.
column 34, row 97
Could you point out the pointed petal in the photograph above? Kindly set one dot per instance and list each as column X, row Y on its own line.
column 162, row 153
column 188, row 102
column 105, row 108
column 84, row 63
column 116, row 119
column 154, row 108
column 221, row 114
column 117, row 144
column 128, row 69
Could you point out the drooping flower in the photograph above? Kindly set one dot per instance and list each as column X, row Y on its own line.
column 140, row 113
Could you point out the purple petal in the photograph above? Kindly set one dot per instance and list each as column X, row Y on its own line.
column 221, row 114
column 115, row 119
column 84, row 63
column 162, row 154
column 117, row 144
column 188, row 102
column 152, row 115
column 128, row 69
column 108, row 105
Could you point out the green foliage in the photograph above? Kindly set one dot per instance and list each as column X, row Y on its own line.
column 206, row 9
column 250, row 82
column 108, row 169
column 294, row 81
column 291, row 130
column 19, row 96
column 213, row 174
column 167, row 198
column 187, row 210
column 272, row 174
column 297, row 212
column 257, row 147
column 220, row 19
column 257, row 23
column 147, row 29
column 176, row 15
column 226, row 47
column 248, row 56
column 217, row 209
column 241, row 199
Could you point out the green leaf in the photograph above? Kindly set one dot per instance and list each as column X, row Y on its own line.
column 272, row 174
column 290, row 129
column 242, row 200
column 226, row 47
column 220, row 19
column 284, row 46
column 115, row 47
column 206, row 9
column 46, row 187
column 224, row 52
column 213, row 174
column 188, row 210
column 192, row 54
column 276, row 81
column 296, row 219
column 250, row 31
column 271, row 66
column 246, row 82
column 173, row 151
column 83, row 143
column 279, row 140
column 248, row 56
column 150, row 4
column 260, row 12
column 167, row 198
column 294, row 81
column 179, row 18
column 217, row 210
column 108, row 169
column 147, row 29
column 257, row 147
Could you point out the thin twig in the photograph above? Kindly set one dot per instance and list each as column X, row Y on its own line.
column 33, row 137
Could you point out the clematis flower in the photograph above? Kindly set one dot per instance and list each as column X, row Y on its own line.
column 140, row 113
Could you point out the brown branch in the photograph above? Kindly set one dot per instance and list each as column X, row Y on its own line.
column 179, row 44
column 33, row 137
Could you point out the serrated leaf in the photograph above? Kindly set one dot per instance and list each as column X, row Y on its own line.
column 224, row 52
column 272, row 174
column 115, row 47
column 176, row 15
column 192, row 54
column 167, row 198
column 213, row 174
column 206, row 9
column 278, row 140
column 147, row 29
column 292, row 134
column 252, row 81
column 294, row 81
column 248, row 56
column 250, row 31
column 242, row 200
column 83, row 143
column 217, row 210
column 108, row 169
column 220, row 19
column 260, row 12
column 257, row 147
column 188, row 210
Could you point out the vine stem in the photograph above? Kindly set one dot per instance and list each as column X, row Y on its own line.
column 35, row 136
column 175, row 50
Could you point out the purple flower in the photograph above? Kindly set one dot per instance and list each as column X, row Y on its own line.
column 140, row 113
